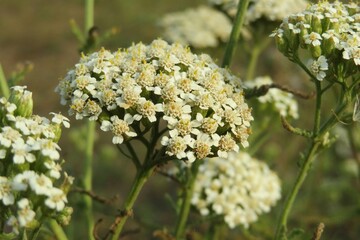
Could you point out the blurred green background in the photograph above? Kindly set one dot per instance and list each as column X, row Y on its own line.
column 38, row 31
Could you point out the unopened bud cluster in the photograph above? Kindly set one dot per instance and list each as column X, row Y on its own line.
column 198, row 27
column 329, row 32
column 239, row 188
column 135, row 88
column 282, row 102
column 31, row 188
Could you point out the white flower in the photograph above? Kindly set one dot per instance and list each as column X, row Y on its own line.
column 313, row 39
column 199, row 27
column 14, row 224
column 25, row 213
column 2, row 153
column 148, row 110
column 56, row 199
column 60, row 119
column 283, row 102
column 6, row 194
column 118, row 127
column 8, row 136
column 47, row 148
column 54, row 169
column 177, row 146
column 21, row 181
column 318, row 67
column 40, row 184
column 272, row 10
column 22, row 152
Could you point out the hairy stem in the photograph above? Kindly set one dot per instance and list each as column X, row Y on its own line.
column 186, row 203
column 282, row 224
column 235, row 32
column 138, row 184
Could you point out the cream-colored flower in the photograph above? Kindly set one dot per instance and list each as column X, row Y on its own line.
column 120, row 128
column 238, row 187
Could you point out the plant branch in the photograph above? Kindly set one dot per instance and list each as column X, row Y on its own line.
column 235, row 32
column 186, row 203
column 57, row 230
column 138, row 184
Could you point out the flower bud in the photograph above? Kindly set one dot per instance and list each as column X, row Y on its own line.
column 315, row 51
column 68, row 181
column 328, row 46
column 65, row 216
column 23, row 101
column 316, row 25
column 282, row 44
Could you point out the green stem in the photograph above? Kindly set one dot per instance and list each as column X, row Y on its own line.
column 256, row 51
column 4, row 87
column 138, row 184
column 89, row 15
column 214, row 232
column 57, row 230
column 317, row 108
column 186, row 203
column 87, row 178
column 235, row 32
column 282, row 224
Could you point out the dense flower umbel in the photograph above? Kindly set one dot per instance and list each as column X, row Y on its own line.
column 281, row 101
column 329, row 32
column 30, row 164
column 134, row 88
column 239, row 188
column 271, row 10
column 199, row 27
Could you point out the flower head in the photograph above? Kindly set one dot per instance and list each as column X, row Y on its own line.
column 272, row 10
column 199, row 27
column 282, row 102
column 238, row 187
column 156, row 82
column 30, row 153
column 329, row 32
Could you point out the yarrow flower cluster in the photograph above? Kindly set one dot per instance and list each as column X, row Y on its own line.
column 133, row 89
column 271, row 10
column 281, row 101
column 239, row 188
column 30, row 164
column 330, row 32
column 198, row 27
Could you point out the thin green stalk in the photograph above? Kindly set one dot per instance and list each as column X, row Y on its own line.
column 57, row 230
column 317, row 116
column 89, row 15
column 87, row 178
column 4, row 87
column 186, row 203
column 214, row 232
column 235, row 32
column 282, row 224
column 138, row 184
column 255, row 53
